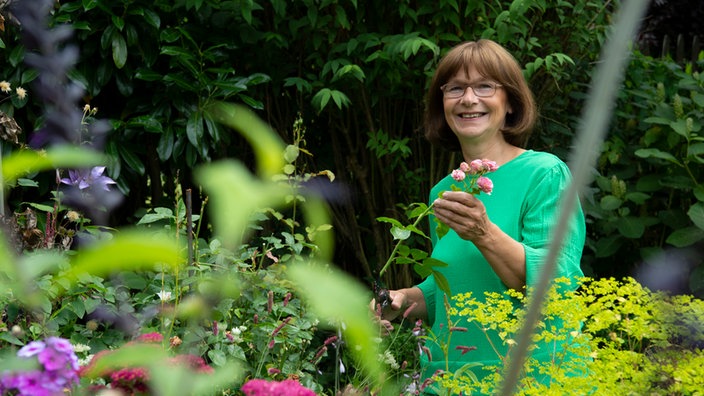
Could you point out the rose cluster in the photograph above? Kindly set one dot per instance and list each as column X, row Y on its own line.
column 476, row 169
column 57, row 373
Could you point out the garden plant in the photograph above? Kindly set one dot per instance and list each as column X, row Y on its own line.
column 173, row 242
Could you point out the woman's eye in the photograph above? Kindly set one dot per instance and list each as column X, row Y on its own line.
column 455, row 89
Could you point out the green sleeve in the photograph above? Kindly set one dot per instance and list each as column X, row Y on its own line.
column 428, row 288
column 542, row 217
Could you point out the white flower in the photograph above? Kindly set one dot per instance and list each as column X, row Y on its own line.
column 80, row 348
column 21, row 92
column 389, row 359
column 164, row 296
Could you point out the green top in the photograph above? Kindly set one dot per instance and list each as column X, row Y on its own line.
column 525, row 205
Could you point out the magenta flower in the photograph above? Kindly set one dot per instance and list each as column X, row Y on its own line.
column 485, row 184
column 31, row 349
column 289, row 387
column 58, row 369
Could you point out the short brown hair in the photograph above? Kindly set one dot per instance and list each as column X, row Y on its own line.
column 492, row 61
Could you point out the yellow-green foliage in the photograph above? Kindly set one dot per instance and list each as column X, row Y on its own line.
column 620, row 337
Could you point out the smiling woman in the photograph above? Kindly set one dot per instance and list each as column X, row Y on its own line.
column 495, row 242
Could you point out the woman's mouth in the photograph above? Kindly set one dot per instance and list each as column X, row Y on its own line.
column 469, row 116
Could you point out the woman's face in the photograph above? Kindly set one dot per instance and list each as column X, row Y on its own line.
column 472, row 118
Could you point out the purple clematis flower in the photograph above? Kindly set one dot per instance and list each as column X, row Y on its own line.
column 85, row 178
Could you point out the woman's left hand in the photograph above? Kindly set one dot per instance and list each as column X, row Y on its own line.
column 464, row 213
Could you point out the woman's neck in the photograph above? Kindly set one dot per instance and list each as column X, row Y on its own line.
column 499, row 152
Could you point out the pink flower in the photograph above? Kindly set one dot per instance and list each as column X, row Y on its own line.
column 464, row 167
column 485, row 184
column 489, row 165
column 458, row 175
column 476, row 166
column 151, row 337
column 289, row 387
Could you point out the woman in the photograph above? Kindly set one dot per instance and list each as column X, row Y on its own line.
column 479, row 104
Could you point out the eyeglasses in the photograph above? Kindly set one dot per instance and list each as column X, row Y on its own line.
column 481, row 89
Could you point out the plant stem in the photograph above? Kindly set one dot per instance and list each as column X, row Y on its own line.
column 398, row 244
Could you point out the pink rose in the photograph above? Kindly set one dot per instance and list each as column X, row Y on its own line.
column 476, row 166
column 464, row 167
column 489, row 165
column 458, row 175
column 485, row 184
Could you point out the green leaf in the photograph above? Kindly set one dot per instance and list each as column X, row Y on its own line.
column 118, row 22
column 246, row 7
column 131, row 159
column 194, row 129
column 321, row 99
column 442, row 282
column 267, row 145
column 390, row 220
column 217, row 357
column 680, row 127
column 291, row 153
column 610, row 202
column 658, row 120
column 89, row 4
column 696, row 214
column 235, row 191
column 685, row 237
column 607, row 246
column 165, row 146
column 129, row 250
column 655, row 153
column 699, row 192
column 152, row 18
column 147, row 75
column 25, row 162
column 630, row 227
column 637, row 197
column 119, row 50
column 400, row 233
column 338, row 298
column 696, row 152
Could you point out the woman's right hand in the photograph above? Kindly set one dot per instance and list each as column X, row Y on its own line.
column 385, row 315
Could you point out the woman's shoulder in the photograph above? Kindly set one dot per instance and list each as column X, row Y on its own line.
column 539, row 158
column 533, row 167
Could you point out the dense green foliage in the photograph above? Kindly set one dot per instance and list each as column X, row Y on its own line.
column 648, row 199
column 355, row 72
column 343, row 80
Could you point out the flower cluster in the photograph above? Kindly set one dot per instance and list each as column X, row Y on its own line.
column 476, row 170
column 6, row 87
column 135, row 380
column 58, row 370
column 289, row 387
column 472, row 176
